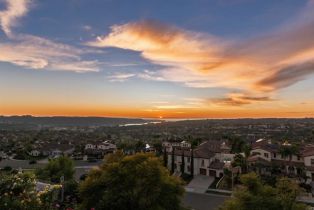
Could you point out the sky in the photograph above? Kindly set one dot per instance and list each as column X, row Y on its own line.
column 157, row 58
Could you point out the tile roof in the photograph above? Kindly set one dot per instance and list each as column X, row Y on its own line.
column 217, row 165
column 205, row 150
column 287, row 163
column 308, row 151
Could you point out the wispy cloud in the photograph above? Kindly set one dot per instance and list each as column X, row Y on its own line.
column 120, row 77
column 87, row 28
column 15, row 9
column 254, row 67
column 40, row 53
column 122, row 64
column 239, row 99
column 175, row 106
column 287, row 76
column 36, row 52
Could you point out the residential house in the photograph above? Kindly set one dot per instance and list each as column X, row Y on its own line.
column 99, row 149
column 3, row 155
column 170, row 145
column 267, row 157
column 308, row 157
column 53, row 150
column 209, row 158
column 34, row 153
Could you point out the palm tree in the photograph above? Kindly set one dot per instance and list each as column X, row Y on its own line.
column 247, row 152
column 172, row 160
column 192, row 161
column 287, row 150
column 194, row 144
column 182, row 162
column 165, row 157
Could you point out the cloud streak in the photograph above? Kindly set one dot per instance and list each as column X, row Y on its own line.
column 257, row 66
column 239, row 99
column 120, row 77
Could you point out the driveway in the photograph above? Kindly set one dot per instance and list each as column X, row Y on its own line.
column 197, row 201
column 199, row 184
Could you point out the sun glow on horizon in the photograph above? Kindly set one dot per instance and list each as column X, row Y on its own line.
column 145, row 64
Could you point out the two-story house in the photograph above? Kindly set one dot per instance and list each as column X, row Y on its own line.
column 209, row 158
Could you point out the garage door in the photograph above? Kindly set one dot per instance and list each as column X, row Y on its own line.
column 212, row 173
column 203, row 171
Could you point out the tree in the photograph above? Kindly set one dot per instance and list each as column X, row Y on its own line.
column 137, row 182
column 172, row 160
column 18, row 192
column 55, row 169
column 253, row 195
column 139, row 146
column 182, row 162
column 237, row 144
column 239, row 160
column 288, row 151
column 194, row 144
column 165, row 157
column 287, row 193
column 158, row 147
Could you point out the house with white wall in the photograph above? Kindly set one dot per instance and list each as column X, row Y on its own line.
column 170, row 145
column 209, row 158
column 267, row 154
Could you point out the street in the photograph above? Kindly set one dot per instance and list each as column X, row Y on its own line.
column 200, row 201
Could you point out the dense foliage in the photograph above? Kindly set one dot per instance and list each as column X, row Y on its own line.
column 18, row 192
column 253, row 195
column 55, row 169
column 137, row 182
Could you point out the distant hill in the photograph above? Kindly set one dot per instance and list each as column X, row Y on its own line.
column 33, row 122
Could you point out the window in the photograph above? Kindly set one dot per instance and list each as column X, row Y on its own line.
column 203, row 163
column 312, row 161
column 266, row 155
column 299, row 158
column 275, row 155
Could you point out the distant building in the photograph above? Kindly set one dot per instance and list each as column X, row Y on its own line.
column 99, row 149
column 170, row 145
column 34, row 153
column 3, row 155
column 52, row 150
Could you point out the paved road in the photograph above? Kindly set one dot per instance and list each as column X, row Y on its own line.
column 24, row 164
column 81, row 167
column 198, row 201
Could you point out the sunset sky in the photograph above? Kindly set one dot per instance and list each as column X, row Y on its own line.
column 157, row 58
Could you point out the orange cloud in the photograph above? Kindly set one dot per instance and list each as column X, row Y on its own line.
column 253, row 67
column 239, row 99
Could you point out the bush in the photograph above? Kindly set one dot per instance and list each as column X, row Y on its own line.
column 7, row 168
column 32, row 162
